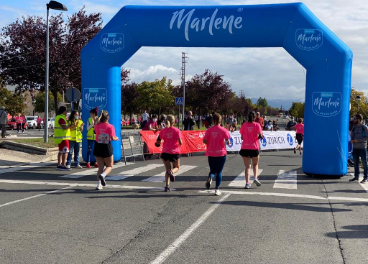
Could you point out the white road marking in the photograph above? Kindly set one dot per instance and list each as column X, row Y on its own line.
column 183, row 237
column 289, row 195
column 80, row 185
column 130, row 173
column 32, row 197
column 80, row 174
column 25, row 167
column 364, row 185
column 286, row 180
column 161, row 176
column 240, row 180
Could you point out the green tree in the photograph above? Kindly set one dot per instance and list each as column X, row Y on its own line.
column 363, row 103
column 40, row 102
column 262, row 102
column 13, row 103
column 297, row 109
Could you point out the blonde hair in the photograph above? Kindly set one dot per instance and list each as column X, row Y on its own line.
column 217, row 119
column 170, row 119
column 104, row 116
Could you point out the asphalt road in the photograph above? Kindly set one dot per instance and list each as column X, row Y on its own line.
column 49, row 216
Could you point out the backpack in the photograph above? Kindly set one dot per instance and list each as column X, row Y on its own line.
column 363, row 130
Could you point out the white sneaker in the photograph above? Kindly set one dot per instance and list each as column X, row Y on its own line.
column 78, row 166
column 257, row 182
column 217, row 192
column 67, row 166
column 99, row 187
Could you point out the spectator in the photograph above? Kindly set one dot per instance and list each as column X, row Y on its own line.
column 151, row 124
column 269, row 126
column 275, row 126
column 208, row 121
column 359, row 137
column 290, row 124
column 39, row 121
column 3, row 121
column 259, row 120
column 188, row 122
column 162, row 122
column 145, row 116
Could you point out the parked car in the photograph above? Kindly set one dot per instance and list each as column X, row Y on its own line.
column 51, row 123
column 31, row 121
column 12, row 124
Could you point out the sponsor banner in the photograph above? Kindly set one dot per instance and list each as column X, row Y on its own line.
column 150, row 138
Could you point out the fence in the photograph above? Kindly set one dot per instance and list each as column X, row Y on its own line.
column 131, row 145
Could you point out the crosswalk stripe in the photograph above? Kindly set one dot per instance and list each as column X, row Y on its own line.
column 161, row 176
column 84, row 173
column 286, row 180
column 130, row 173
column 364, row 185
column 240, row 180
column 25, row 167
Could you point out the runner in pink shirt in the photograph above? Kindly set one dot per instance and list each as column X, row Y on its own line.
column 103, row 151
column 171, row 150
column 215, row 138
column 251, row 132
column 299, row 135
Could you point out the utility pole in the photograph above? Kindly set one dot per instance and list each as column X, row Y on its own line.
column 183, row 65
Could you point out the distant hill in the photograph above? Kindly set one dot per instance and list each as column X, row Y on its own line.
column 285, row 103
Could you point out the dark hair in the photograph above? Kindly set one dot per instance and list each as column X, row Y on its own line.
column 359, row 116
column 104, row 116
column 71, row 117
column 216, row 118
column 300, row 120
column 94, row 111
column 154, row 116
column 251, row 116
column 61, row 110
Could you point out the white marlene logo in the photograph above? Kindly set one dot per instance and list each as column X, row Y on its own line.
column 210, row 23
column 112, row 42
column 326, row 104
column 309, row 39
column 95, row 97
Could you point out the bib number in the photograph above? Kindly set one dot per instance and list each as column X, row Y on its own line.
column 103, row 139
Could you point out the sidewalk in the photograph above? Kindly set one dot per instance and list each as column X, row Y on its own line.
column 11, row 158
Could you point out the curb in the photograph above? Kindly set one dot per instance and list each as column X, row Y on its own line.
column 28, row 148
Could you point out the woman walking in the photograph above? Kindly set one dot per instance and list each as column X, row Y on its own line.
column 215, row 139
column 171, row 150
column 251, row 132
column 103, row 151
column 299, row 135
column 91, row 135
column 75, row 139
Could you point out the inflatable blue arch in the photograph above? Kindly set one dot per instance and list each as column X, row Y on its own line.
column 294, row 27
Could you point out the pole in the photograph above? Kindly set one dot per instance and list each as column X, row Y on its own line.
column 184, row 62
column 46, row 126
column 72, row 103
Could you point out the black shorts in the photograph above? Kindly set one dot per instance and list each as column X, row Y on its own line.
column 299, row 138
column 251, row 153
column 102, row 150
column 170, row 157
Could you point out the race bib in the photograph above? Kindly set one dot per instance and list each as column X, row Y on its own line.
column 103, row 139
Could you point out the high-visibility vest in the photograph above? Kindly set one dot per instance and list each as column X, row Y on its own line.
column 91, row 133
column 76, row 134
column 59, row 133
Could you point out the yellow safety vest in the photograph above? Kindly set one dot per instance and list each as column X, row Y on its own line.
column 76, row 134
column 59, row 133
column 91, row 133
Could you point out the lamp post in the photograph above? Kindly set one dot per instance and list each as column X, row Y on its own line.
column 358, row 99
column 55, row 6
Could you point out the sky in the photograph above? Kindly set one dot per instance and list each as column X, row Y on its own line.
column 266, row 72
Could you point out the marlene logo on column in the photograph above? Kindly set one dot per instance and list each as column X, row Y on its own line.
column 95, row 97
column 326, row 104
column 112, row 42
column 309, row 39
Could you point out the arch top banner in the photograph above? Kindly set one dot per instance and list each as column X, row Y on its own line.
column 291, row 26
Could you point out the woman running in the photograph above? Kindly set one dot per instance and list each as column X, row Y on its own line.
column 91, row 135
column 103, row 151
column 171, row 150
column 299, row 135
column 75, row 139
column 215, row 139
column 251, row 132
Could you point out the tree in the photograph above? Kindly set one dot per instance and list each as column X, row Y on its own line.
column 297, row 109
column 13, row 103
column 22, row 51
column 363, row 103
column 128, row 95
column 262, row 102
column 40, row 102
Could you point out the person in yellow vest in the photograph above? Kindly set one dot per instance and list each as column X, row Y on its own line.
column 62, row 137
column 91, row 135
column 75, row 139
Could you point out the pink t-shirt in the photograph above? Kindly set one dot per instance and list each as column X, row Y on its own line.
column 299, row 128
column 170, row 136
column 104, row 132
column 216, row 137
column 250, row 133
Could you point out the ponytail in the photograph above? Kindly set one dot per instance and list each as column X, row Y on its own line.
column 104, row 116
column 169, row 121
column 251, row 116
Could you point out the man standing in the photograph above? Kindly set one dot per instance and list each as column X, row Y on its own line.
column 3, row 121
column 145, row 116
column 359, row 138
column 188, row 121
column 259, row 120
column 290, row 124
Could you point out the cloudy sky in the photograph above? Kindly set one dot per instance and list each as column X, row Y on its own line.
column 270, row 73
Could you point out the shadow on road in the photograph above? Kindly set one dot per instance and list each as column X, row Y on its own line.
column 354, row 232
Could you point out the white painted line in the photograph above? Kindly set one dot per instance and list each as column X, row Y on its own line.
column 130, row 173
column 240, row 180
column 364, row 185
column 89, row 185
column 25, row 167
column 286, row 180
column 80, row 174
column 161, row 176
column 32, row 197
column 315, row 197
column 183, row 237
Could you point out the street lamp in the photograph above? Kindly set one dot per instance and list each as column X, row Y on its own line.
column 358, row 99
column 55, row 6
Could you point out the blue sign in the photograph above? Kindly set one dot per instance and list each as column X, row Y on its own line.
column 231, row 141
column 179, row 100
column 95, row 97
column 326, row 104
column 309, row 39
column 290, row 139
column 263, row 141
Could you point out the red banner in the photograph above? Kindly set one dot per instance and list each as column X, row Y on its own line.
column 192, row 142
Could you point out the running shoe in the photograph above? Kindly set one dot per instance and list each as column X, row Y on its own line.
column 257, row 182
column 102, row 179
column 88, row 166
column 68, row 166
column 59, row 166
column 354, row 179
column 364, row 181
column 64, row 168
column 217, row 192
column 294, row 150
column 209, row 182
column 96, row 165
column 78, row 166
column 99, row 187
column 171, row 175
column 167, row 189
column 247, row 186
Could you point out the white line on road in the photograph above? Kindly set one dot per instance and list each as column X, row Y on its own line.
column 183, row 237
column 364, row 185
column 130, row 173
column 240, row 180
column 32, row 197
column 28, row 166
column 161, row 176
column 286, row 180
